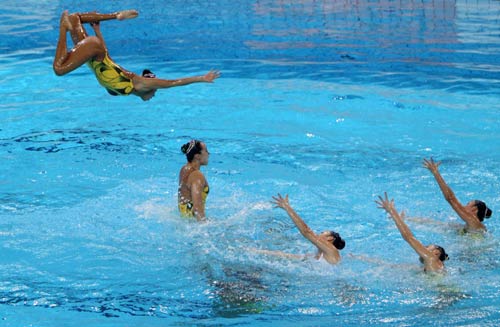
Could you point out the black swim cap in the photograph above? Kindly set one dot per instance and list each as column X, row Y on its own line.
column 482, row 210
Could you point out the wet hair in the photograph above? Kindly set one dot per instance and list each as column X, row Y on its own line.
column 191, row 148
column 442, row 253
column 148, row 74
column 482, row 210
column 337, row 242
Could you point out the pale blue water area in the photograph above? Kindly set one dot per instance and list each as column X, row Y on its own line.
column 331, row 102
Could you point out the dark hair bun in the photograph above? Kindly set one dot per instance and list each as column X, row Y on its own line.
column 339, row 243
column 442, row 253
column 482, row 210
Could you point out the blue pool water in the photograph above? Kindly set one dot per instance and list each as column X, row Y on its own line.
column 331, row 102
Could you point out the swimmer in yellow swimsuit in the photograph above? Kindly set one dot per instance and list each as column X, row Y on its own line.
column 92, row 50
column 186, row 206
column 111, row 76
column 193, row 187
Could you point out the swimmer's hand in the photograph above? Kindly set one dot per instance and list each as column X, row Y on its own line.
column 388, row 205
column 280, row 202
column 431, row 165
column 385, row 203
column 210, row 76
column 127, row 14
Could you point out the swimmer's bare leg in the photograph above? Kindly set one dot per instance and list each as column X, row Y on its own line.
column 64, row 27
column 87, row 48
column 96, row 17
column 62, row 46
column 79, row 33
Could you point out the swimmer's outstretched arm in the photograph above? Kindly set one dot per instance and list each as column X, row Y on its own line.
column 142, row 84
column 445, row 189
column 307, row 232
column 388, row 205
column 283, row 203
column 448, row 193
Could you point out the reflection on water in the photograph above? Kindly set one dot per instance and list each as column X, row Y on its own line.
column 392, row 42
column 397, row 28
column 239, row 292
column 448, row 296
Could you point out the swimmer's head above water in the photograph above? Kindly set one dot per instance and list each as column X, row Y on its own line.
column 438, row 251
column 148, row 74
column 482, row 211
column 335, row 238
column 192, row 148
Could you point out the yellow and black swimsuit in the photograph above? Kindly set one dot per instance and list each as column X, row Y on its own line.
column 186, row 208
column 111, row 76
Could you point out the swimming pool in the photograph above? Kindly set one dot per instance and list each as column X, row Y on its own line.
column 332, row 103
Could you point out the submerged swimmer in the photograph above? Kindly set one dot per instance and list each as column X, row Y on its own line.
column 193, row 187
column 473, row 213
column 432, row 256
column 328, row 243
column 92, row 50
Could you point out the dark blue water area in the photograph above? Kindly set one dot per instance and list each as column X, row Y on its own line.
column 451, row 45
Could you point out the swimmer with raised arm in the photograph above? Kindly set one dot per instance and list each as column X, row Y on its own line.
column 193, row 187
column 328, row 243
column 473, row 213
column 93, row 51
column 432, row 256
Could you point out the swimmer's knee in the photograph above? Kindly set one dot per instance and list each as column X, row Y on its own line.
column 94, row 40
column 58, row 70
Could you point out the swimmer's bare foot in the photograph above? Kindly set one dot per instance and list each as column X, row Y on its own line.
column 127, row 14
column 65, row 22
